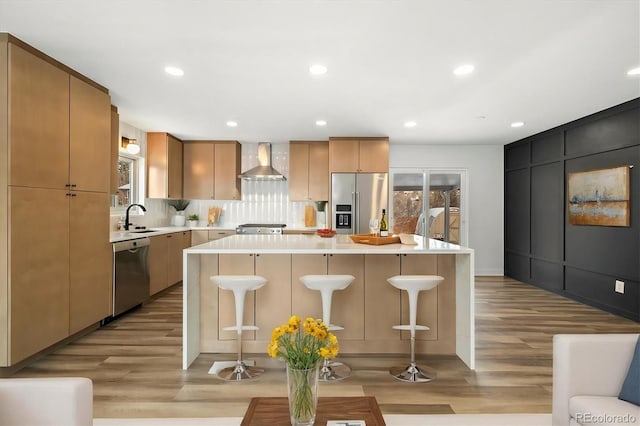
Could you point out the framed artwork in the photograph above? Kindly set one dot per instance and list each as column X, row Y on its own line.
column 599, row 197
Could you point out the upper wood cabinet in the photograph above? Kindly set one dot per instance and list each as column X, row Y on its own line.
column 89, row 137
column 211, row 170
column 309, row 170
column 115, row 149
column 359, row 155
column 164, row 166
column 38, row 122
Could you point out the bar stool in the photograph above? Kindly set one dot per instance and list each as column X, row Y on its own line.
column 326, row 285
column 413, row 285
column 239, row 284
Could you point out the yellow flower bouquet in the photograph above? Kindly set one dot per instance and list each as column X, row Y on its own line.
column 302, row 345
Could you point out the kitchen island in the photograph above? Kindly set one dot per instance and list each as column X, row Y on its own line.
column 367, row 309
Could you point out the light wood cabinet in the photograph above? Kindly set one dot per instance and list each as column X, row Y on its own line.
column 359, row 155
column 427, row 300
column 235, row 264
column 90, row 260
column 305, row 302
column 39, row 265
column 228, row 159
column 89, row 137
column 55, row 258
column 39, row 121
column 309, row 170
column 201, row 236
column 211, row 170
column 367, row 309
column 115, row 149
column 198, row 170
column 174, row 266
column 158, row 261
column 165, row 260
column 276, row 268
column 348, row 304
column 381, row 298
column 164, row 166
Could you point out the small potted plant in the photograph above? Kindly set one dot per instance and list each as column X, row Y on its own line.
column 192, row 220
column 180, row 206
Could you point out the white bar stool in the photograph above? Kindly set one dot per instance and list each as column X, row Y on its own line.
column 326, row 285
column 413, row 285
column 239, row 284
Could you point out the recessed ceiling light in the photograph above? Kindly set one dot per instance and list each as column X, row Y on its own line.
column 410, row 124
column 317, row 69
column 464, row 69
column 174, row 71
column 517, row 124
column 634, row 71
column 321, row 123
column 232, row 123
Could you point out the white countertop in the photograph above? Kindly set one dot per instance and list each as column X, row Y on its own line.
column 312, row 244
column 118, row 236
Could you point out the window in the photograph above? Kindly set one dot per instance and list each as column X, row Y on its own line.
column 127, row 182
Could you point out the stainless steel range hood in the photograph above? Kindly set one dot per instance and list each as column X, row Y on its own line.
column 263, row 171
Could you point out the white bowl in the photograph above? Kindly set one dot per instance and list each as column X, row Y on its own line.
column 408, row 239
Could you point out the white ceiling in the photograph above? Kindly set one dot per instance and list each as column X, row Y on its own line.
column 544, row 62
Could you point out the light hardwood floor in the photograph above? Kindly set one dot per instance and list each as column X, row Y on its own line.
column 135, row 362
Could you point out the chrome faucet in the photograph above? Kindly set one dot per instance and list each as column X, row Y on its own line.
column 126, row 218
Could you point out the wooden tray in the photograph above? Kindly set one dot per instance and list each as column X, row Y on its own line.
column 376, row 241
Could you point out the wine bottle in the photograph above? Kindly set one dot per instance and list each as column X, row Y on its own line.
column 384, row 226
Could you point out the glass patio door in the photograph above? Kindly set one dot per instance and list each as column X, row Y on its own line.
column 438, row 212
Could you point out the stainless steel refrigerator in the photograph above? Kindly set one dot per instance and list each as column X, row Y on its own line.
column 356, row 198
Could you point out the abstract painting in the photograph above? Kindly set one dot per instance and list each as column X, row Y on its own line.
column 599, row 197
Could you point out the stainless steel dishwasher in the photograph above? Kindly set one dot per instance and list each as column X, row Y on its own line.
column 130, row 274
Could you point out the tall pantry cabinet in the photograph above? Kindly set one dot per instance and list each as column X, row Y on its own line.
column 55, row 257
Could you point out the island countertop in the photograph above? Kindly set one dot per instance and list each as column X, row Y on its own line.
column 313, row 244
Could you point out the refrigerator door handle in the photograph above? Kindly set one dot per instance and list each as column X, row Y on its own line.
column 356, row 219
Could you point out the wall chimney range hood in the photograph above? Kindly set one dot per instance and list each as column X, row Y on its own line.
column 263, row 171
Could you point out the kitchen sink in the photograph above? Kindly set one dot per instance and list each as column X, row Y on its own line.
column 143, row 231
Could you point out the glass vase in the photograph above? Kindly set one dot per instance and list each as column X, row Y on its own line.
column 303, row 395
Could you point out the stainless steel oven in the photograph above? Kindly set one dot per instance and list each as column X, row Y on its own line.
column 130, row 274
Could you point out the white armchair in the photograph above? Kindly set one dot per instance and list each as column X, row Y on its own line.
column 46, row 401
column 588, row 373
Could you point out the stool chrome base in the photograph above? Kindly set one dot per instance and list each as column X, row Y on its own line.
column 239, row 372
column 333, row 371
column 412, row 373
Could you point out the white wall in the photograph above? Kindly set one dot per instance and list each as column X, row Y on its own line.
column 485, row 171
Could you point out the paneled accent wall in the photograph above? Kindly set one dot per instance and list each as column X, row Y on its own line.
column 541, row 247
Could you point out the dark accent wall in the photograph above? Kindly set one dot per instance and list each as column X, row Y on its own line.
column 541, row 246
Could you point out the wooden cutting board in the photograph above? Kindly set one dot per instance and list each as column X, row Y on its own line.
column 374, row 240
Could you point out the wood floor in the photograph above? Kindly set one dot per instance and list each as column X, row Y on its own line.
column 135, row 362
